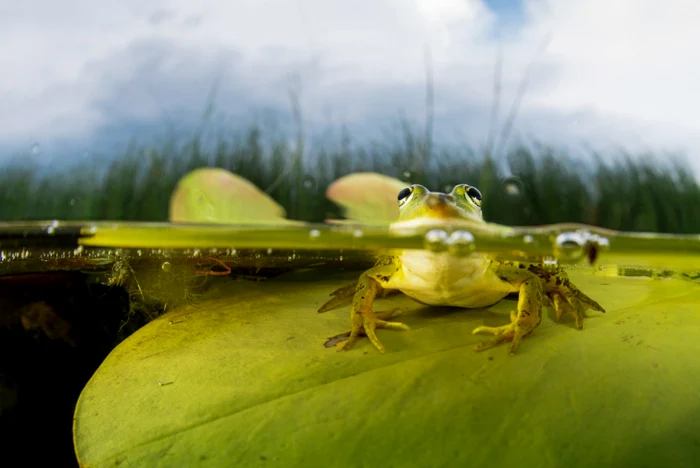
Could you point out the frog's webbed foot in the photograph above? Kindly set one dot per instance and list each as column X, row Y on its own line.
column 513, row 332
column 372, row 283
column 523, row 322
column 365, row 325
column 573, row 302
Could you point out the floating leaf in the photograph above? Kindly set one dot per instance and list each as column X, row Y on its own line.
column 212, row 195
column 243, row 379
column 366, row 197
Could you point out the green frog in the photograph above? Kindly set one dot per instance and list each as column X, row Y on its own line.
column 472, row 281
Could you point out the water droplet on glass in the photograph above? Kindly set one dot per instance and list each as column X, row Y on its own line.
column 513, row 186
column 436, row 240
column 72, row 202
column 314, row 233
column 36, row 148
column 166, row 266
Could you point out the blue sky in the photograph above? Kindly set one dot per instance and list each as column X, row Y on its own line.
column 509, row 13
column 83, row 77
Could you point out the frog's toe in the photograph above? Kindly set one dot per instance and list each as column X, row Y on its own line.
column 574, row 295
column 367, row 326
column 341, row 296
column 502, row 330
column 568, row 305
column 387, row 314
column 574, row 303
column 513, row 332
column 510, row 332
column 491, row 343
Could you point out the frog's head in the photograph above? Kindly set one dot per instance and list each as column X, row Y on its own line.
column 417, row 202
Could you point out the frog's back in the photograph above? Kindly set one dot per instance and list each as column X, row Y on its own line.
column 441, row 279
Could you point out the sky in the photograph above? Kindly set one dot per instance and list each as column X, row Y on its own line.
column 82, row 77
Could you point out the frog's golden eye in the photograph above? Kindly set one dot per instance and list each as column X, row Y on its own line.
column 405, row 195
column 474, row 194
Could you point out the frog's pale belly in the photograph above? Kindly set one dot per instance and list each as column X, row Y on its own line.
column 442, row 279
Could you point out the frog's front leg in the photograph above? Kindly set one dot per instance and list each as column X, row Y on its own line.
column 527, row 318
column 363, row 319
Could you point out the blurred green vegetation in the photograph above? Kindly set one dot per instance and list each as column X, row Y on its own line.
column 530, row 185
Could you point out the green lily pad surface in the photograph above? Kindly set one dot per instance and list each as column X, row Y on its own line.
column 244, row 379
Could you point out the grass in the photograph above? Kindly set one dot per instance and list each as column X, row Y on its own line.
column 529, row 185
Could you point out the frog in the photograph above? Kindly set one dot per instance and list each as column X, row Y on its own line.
column 475, row 280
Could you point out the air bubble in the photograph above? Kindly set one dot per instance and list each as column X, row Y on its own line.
column 78, row 250
column 569, row 246
column 358, row 233
column 166, row 266
column 461, row 242
column 269, row 251
column 314, row 233
column 528, row 239
column 436, row 240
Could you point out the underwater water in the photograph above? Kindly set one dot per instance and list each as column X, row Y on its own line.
column 196, row 344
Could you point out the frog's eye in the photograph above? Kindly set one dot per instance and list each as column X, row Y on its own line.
column 405, row 195
column 474, row 195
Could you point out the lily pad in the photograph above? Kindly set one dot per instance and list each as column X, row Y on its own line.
column 244, row 379
column 217, row 196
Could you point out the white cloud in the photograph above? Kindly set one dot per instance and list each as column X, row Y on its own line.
column 621, row 72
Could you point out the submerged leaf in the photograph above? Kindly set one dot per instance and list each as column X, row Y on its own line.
column 212, row 195
column 244, row 380
column 366, row 197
